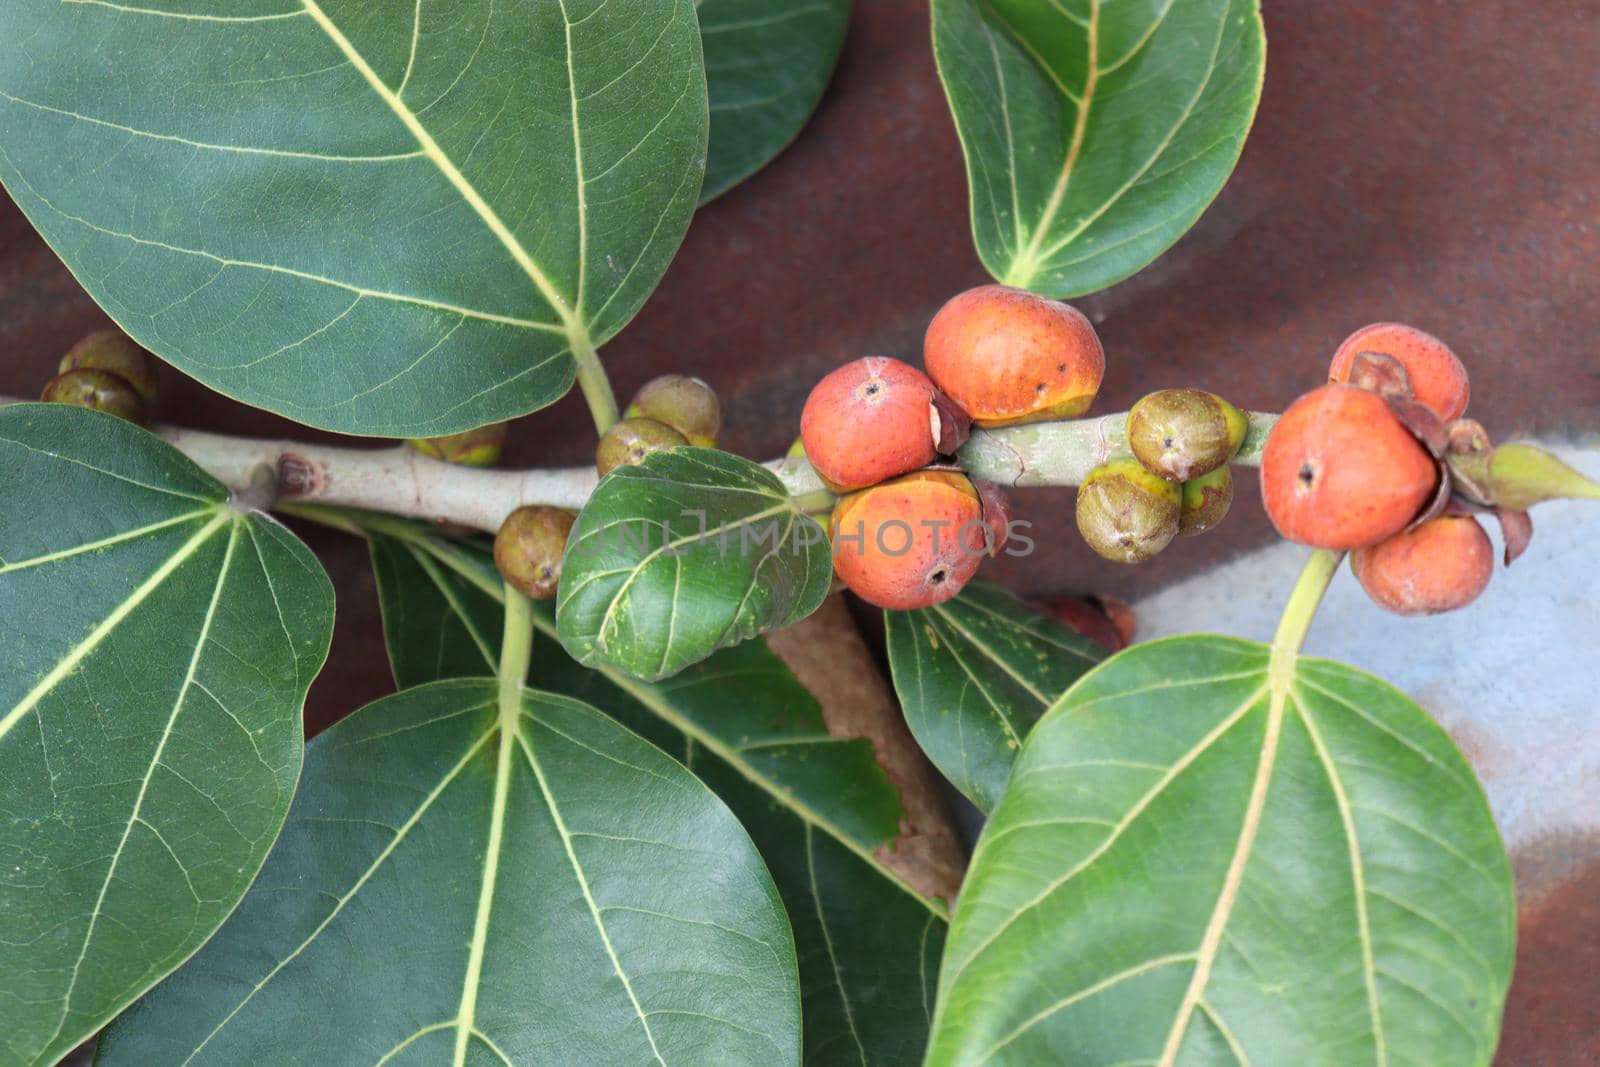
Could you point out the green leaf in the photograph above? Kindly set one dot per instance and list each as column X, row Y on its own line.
column 1204, row 856
column 474, row 893
column 391, row 219
column 974, row 674
column 767, row 63
column 158, row 647
column 818, row 807
column 436, row 624
column 1095, row 132
column 690, row 551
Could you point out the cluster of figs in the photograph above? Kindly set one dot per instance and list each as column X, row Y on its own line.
column 911, row 528
column 1379, row 462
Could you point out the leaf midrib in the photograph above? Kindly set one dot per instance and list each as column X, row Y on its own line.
column 583, row 885
column 155, row 761
column 568, row 314
column 1222, row 911
column 729, row 755
column 100, row 632
column 383, row 855
column 1029, row 260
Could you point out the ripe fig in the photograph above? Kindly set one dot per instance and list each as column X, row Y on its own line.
column 1441, row 565
column 101, row 390
column 869, row 420
column 912, row 542
column 1437, row 377
column 1339, row 471
column 530, row 546
column 1206, row 500
column 686, row 404
column 116, row 352
column 1008, row 356
column 629, row 441
column 1126, row 513
column 1183, row 433
column 470, row 448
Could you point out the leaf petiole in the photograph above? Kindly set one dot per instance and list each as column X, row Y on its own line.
column 1300, row 609
column 516, row 650
column 592, row 379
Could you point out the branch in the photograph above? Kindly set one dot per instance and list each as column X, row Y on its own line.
column 399, row 480
column 1063, row 453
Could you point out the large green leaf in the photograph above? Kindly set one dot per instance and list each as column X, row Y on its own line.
column 388, row 218
column 1095, row 132
column 156, row 652
column 767, row 63
column 455, row 884
column 818, row 807
column 974, row 674
column 690, row 551
column 1204, row 856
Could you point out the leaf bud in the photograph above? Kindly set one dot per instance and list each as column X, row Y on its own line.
column 1517, row 476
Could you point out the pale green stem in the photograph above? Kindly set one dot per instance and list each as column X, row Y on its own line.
column 1063, row 453
column 815, row 502
column 516, row 649
column 1300, row 609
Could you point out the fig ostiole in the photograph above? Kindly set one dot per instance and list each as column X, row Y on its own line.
column 629, row 441
column 1183, row 433
column 529, row 548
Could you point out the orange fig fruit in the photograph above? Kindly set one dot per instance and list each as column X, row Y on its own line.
column 1442, row 565
column 911, row 542
column 1008, row 356
column 1437, row 377
column 1339, row 471
column 869, row 420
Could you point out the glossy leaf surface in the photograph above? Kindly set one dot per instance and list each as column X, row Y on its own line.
column 448, row 890
column 1095, row 132
column 155, row 656
column 974, row 674
column 690, row 551
column 818, row 807
column 389, row 219
column 1203, row 858
column 767, row 63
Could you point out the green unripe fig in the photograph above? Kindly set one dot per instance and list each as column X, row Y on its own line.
column 1206, row 500
column 97, row 389
column 1126, row 513
column 1183, row 433
column 686, row 404
column 629, row 441
column 117, row 353
column 469, row 448
column 529, row 548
